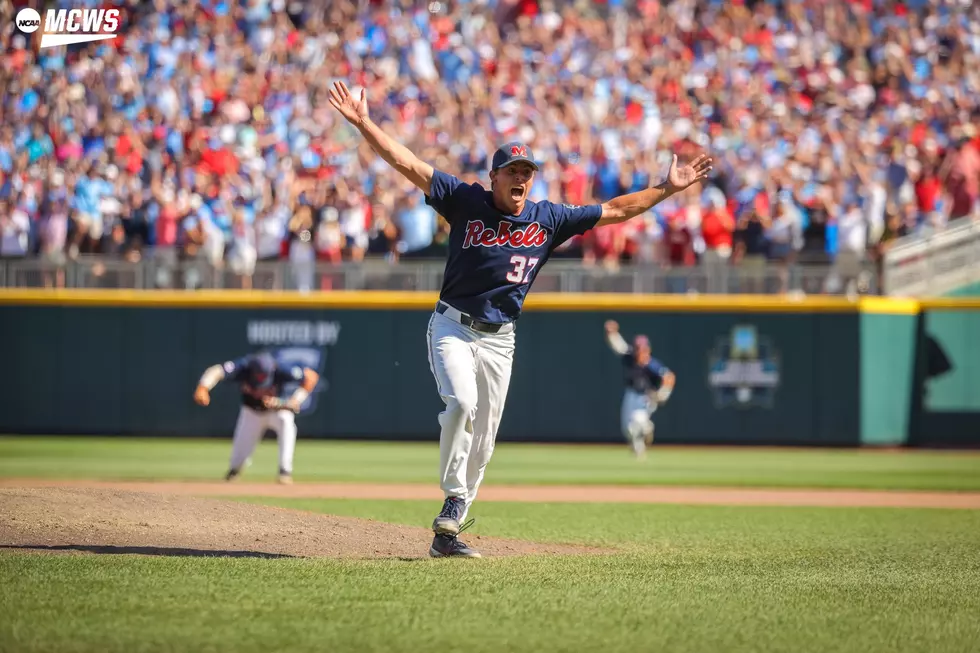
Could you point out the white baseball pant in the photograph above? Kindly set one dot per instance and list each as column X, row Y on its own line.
column 249, row 429
column 472, row 372
column 635, row 419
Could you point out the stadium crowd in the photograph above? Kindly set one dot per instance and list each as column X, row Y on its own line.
column 203, row 131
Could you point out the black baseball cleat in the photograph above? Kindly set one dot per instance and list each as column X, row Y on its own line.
column 450, row 546
column 447, row 523
column 231, row 475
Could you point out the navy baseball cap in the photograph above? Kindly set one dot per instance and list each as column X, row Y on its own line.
column 262, row 367
column 512, row 153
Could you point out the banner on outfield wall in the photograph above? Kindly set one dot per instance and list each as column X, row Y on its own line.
column 766, row 378
column 744, row 369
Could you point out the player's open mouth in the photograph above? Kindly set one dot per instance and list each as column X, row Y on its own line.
column 516, row 192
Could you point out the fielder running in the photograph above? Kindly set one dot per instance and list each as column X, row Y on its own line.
column 498, row 241
column 648, row 384
column 261, row 380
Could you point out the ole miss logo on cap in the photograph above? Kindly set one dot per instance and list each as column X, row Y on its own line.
column 511, row 153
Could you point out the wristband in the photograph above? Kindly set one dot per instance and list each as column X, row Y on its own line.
column 300, row 395
column 211, row 377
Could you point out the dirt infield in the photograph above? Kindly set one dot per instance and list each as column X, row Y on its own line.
column 87, row 520
column 171, row 518
column 549, row 493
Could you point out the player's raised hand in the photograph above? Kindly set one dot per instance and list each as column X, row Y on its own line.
column 612, row 326
column 681, row 177
column 202, row 396
column 354, row 109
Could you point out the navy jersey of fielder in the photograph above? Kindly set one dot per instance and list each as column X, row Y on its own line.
column 643, row 378
column 494, row 257
column 256, row 381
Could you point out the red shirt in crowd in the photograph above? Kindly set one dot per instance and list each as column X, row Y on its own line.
column 167, row 227
column 927, row 193
column 717, row 226
column 221, row 162
column 680, row 243
column 127, row 149
column 964, row 180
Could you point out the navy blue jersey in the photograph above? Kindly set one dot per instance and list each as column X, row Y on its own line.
column 493, row 257
column 643, row 378
column 260, row 376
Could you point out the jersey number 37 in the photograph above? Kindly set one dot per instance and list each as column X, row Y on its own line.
column 517, row 274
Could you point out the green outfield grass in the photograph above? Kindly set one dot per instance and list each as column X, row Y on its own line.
column 684, row 579
column 175, row 459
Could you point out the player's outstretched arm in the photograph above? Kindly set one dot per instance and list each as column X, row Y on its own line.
column 211, row 377
column 666, row 387
column 399, row 157
column 614, row 339
column 310, row 379
column 624, row 207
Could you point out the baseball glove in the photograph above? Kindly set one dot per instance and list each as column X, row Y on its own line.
column 275, row 403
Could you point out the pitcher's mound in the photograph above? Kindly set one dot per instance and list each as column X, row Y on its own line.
column 112, row 521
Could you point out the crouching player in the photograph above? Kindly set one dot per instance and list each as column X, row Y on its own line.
column 261, row 380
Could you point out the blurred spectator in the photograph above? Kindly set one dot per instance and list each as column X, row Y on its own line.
column 242, row 254
column 15, row 226
column 386, row 236
column 679, row 243
column 302, row 254
column 717, row 228
column 416, row 223
column 647, row 235
column 894, row 229
column 53, row 235
column 784, row 238
column 752, row 247
column 354, row 224
column 330, row 239
column 852, row 240
column 963, row 180
column 813, row 111
column 607, row 245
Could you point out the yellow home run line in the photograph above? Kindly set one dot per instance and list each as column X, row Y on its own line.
column 411, row 300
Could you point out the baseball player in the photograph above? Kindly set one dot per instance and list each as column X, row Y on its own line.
column 498, row 241
column 261, row 380
column 648, row 384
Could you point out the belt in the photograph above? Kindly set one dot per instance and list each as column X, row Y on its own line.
column 477, row 325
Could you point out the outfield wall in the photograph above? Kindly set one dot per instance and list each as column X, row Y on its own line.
column 820, row 371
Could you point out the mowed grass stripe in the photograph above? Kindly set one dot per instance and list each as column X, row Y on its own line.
column 687, row 579
column 518, row 464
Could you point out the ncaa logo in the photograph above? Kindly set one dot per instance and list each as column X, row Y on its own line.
column 744, row 369
column 28, row 20
column 69, row 26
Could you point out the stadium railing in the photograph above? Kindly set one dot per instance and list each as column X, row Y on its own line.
column 934, row 264
column 560, row 275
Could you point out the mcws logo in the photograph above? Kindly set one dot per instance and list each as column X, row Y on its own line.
column 69, row 26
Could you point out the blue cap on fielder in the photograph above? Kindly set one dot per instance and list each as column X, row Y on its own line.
column 512, row 153
column 262, row 367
